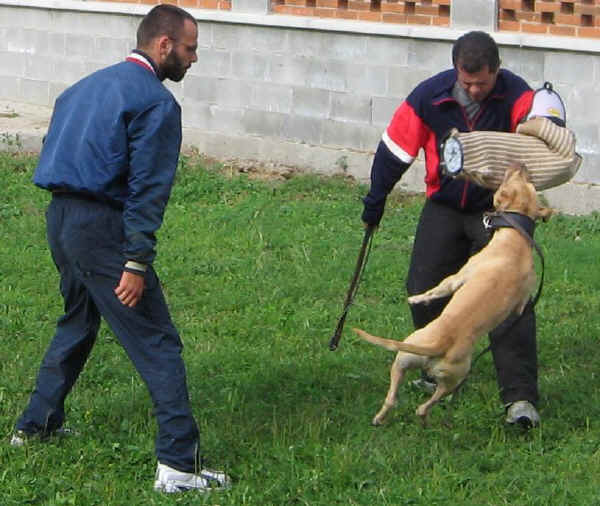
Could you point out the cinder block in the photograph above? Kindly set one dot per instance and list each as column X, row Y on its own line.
column 229, row 37
column 37, row 92
column 55, row 89
column 311, row 102
column 569, row 68
column 262, row 39
column 342, row 46
column 402, row 81
column 271, row 97
column 350, row 135
column 306, row 43
column 351, row 107
column 330, row 75
column 213, row 63
column 232, row 93
column 383, row 110
column 197, row 115
column 56, row 44
column 431, row 55
column 40, row 68
column 527, row 63
column 251, row 66
column 269, row 124
column 265, row 39
column 588, row 172
column 574, row 198
column 200, row 89
column 12, row 64
column 19, row 41
column 70, row 71
column 302, row 129
column 110, row 50
column 9, row 87
column 289, row 70
column 205, row 33
column 80, row 45
column 587, row 132
column 580, row 109
column 388, row 50
column 225, row 120
column 365, row 79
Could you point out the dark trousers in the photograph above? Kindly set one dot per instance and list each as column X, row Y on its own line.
column 444, row 241
column 86, row 241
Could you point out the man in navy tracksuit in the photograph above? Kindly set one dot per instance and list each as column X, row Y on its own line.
column 109, row 160
column 475, row 95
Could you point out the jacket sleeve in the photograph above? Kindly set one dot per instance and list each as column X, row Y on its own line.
column 397, row 150
column 154, row 145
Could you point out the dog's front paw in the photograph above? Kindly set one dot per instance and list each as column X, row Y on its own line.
column 417, row 299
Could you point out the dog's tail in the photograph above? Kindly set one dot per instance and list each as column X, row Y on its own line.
column 434, row 350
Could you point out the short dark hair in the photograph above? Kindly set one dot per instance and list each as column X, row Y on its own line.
column 474, row 50
column 164, row 19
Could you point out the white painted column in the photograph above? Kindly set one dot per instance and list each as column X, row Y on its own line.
column 254, row 6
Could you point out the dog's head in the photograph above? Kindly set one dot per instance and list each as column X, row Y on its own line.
column 517, row 194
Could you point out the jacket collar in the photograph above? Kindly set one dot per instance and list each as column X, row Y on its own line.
column 449, row 78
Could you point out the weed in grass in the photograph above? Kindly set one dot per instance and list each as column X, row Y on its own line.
column 255, row 272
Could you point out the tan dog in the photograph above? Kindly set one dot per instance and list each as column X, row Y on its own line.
column 494, row 283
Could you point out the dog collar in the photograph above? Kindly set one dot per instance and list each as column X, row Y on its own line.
column 496, row 220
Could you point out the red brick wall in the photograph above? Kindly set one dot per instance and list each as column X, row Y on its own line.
column 575, row 18
column 423, row 12
column 193, row 4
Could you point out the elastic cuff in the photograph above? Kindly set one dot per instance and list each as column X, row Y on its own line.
column 135, row 267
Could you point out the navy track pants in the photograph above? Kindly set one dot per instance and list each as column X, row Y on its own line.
column 86, row 239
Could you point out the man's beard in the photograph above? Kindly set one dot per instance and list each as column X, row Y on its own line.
column 173, row 68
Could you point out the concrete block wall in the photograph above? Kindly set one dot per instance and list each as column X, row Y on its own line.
column 314, row 94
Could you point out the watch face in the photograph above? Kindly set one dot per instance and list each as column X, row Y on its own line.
column 452, row 156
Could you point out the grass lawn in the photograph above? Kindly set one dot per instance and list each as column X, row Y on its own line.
column 256, row 273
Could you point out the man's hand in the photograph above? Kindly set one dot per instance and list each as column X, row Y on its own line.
column 130, row 289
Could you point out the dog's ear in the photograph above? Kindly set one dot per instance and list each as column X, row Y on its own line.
column 545, row 213
column 503, row 197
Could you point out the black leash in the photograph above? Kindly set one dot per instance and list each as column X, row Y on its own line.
column 361, row 263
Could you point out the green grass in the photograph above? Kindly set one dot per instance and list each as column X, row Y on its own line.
column 255, row 274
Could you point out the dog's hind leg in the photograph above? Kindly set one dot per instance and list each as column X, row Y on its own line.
column 402, row 362
column 396, row 376
column 423, row 410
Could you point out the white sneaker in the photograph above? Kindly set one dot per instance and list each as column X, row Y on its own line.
column 523, row 413
column 171, row 480
column 20, row 437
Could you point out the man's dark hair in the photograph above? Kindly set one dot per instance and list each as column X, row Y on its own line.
column 164, row 19
column 474, row 50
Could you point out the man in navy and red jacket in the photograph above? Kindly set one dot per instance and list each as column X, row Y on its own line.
column 475, row 95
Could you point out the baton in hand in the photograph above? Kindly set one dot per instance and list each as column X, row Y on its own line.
column 360, row 267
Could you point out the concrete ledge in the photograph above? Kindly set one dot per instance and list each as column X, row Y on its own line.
column 323, row 24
